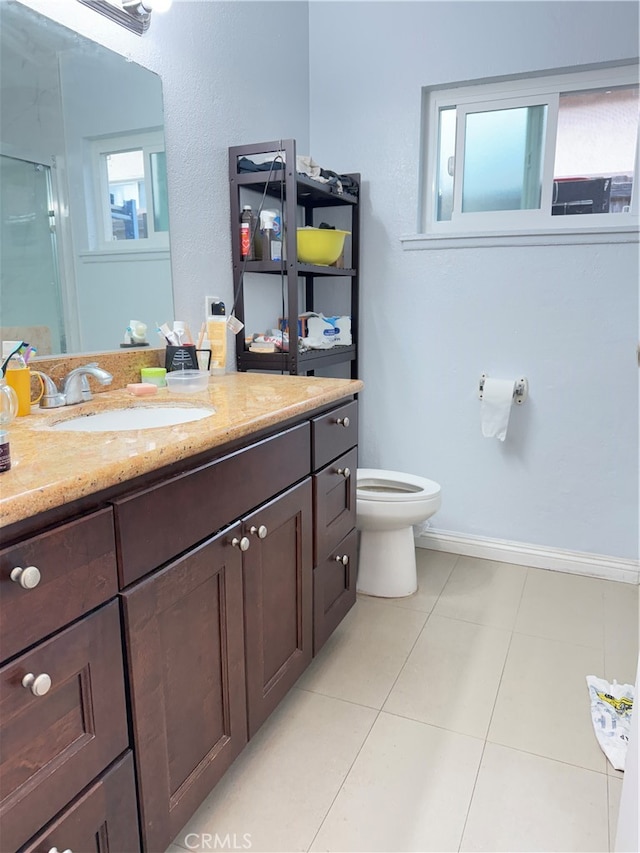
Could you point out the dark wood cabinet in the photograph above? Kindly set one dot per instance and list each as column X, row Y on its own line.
column 75, row 567
column 334, row 588
column 62, row 729
column 278, row 579
column 102, row 819
column 335, row 461
column 167, row 623
column 184, row 635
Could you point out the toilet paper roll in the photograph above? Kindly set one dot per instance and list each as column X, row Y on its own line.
column 495, row 408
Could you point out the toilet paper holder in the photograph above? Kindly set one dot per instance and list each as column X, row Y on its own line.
column 520, row 392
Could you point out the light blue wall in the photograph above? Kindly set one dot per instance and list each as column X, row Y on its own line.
column 433, row 321
column 566, row 316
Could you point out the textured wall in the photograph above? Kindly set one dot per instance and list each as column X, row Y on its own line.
column 567, row 316
column 433, row 321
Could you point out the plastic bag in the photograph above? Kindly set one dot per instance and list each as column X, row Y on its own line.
column 611, row 706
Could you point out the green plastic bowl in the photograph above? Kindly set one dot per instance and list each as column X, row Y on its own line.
column 321, row 246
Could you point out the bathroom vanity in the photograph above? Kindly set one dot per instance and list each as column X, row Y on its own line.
column 161, row 600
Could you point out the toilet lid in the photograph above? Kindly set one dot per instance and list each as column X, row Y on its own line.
column 374, row 484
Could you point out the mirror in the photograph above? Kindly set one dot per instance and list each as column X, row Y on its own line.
column 83, row 193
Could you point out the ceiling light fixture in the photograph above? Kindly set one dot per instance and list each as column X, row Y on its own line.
column 135, row 15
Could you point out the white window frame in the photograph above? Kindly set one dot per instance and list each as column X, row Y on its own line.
column 150, row 142
column 502, row 95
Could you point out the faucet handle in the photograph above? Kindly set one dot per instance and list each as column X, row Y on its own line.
column 52, row 398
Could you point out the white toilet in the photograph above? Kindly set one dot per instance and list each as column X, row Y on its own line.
column 389, row 503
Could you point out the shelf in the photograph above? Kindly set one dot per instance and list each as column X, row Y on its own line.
column 277, row 268
column 310, row 192
column 309, row 360
column 304, row 286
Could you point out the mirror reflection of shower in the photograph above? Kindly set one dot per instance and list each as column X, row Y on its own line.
column 77, row 109
column 32, row 299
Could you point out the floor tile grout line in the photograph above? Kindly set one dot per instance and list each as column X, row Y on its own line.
column 556, row 640
column 440, row 728
column 611, row 841
column 346, row 776
column 550, row 758
column 495, row 700
column 380, row 710
column 406, row 660
column 337, row 698
column 473, row 792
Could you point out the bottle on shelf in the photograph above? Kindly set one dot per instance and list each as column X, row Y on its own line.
column 247, row 229
column 271, row 238
column 217, row 335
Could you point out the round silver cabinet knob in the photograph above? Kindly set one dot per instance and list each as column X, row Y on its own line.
column 27, row 578
column 55, row 850
column 261, row 531
column 344, row 559
column 346, row 472
column 343, row 421
column 37, row 684
column 243, row 543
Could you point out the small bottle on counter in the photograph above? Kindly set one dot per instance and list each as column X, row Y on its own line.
column 5, row 454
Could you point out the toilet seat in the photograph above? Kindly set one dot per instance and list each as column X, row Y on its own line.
column 374, row 484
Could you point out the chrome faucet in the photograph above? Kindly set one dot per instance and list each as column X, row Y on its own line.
column 75, row 387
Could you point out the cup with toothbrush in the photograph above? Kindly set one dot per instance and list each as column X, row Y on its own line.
column 17, row 376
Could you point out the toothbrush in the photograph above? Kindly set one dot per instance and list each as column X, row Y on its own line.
column 169, row 335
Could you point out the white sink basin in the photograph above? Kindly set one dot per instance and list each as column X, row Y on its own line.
column 141, row 417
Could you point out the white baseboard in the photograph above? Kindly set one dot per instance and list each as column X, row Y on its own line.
column 537, row 556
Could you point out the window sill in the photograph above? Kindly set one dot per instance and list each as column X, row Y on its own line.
column 540, row 237
column 133, row 253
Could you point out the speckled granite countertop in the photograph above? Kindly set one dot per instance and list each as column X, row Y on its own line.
column 52, row 467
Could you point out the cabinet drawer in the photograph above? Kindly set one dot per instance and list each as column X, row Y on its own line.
column 78, row 571
column 331, row 436
column 159, row 523
column 54, row 745
column 334, row 498
column 334, row 588
column 103, row 819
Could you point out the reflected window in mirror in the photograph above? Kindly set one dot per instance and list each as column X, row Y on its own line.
column 65, row 283
column 130, row 173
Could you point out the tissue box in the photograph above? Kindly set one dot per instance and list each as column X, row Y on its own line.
column 334, row 331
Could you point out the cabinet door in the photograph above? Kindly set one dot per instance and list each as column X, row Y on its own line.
column 56, row 741
column 334, row 589
column 278, row 599
column 184, row 634
column 103, row 819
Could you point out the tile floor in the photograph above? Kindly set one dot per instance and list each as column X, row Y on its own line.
column 456, row 719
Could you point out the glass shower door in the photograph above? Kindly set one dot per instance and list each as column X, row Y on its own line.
column 30, row 293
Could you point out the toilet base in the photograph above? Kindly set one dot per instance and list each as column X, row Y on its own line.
column 387, row 563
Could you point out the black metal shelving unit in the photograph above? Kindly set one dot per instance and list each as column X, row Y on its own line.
column 292, row 192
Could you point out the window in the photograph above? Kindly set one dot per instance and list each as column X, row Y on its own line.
column 524, row 155
column 131, row 190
